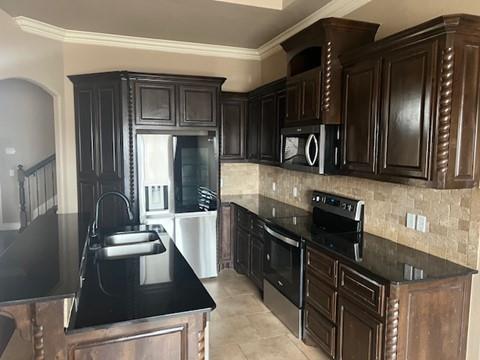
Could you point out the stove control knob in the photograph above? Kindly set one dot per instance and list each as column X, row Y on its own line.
column 350, row 207
column 344, row 206
column 318, row 199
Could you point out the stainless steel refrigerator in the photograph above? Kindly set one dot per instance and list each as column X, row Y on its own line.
column 177, row 188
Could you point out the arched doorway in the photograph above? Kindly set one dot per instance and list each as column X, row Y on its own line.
column 27, row 138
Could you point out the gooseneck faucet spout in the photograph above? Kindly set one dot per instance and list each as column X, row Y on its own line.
column 94, row 227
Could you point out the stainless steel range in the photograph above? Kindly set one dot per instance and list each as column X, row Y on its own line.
column 335, row 220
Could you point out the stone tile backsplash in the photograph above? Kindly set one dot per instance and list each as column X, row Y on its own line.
column 239, row 178
column 453, row 215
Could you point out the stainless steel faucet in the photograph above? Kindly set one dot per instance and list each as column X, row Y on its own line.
column 94, row 227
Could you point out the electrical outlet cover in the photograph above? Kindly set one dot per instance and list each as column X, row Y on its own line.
column 274, row 186
column 411, row 220
column 295, row 191
column 421, row 223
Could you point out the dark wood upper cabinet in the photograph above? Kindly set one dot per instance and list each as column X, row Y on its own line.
column 428, row 106
column 406, row 110
column 294, row 91
column 198, row 105
column 314, row 73
column 155, row 103
column 266, row 116
column 360, row 117
column 233, row 125
column 268, row 128
column 253, row 123
column 109, row 110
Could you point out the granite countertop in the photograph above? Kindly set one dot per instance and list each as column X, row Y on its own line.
column 265, row 207
column 139, row 287
column 380, row 257
column 46, row 260
column 42, row 262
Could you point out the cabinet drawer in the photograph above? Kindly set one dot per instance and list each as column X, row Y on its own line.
column 321, row 296
column 323, row 266
column 244, row 219
column 362, row 289
column 320, row 330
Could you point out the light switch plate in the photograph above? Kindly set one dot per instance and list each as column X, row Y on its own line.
column 295, row 191
column 274, row 186
column 221, row 183
column 411, row 220
column 421, row 223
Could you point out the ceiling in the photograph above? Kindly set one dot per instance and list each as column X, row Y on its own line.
column 200, row 21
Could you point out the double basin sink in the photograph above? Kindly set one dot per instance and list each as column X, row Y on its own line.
column 127, row 244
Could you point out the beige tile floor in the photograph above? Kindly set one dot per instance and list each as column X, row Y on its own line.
column 242, row 328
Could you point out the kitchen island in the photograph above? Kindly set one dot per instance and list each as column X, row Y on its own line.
column 59, row 301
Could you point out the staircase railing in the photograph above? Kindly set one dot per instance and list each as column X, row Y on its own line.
column 37, row 190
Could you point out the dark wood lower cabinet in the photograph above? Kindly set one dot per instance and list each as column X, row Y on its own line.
column 354, row 316
column 39, row 334
column 320, row 330
column 256, row 261
column 360, row 335
column 249, row 253
column 242, row 251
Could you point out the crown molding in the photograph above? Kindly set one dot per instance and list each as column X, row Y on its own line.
column 132, row 42
column 337, row 8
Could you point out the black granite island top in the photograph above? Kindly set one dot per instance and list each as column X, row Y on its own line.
column 46, row 261
column 380, row 257
column 137, row 288
column 42, row 262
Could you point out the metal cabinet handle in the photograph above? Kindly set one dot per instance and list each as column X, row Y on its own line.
column 311, row 138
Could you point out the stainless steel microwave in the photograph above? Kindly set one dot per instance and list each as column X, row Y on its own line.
column 311, row 148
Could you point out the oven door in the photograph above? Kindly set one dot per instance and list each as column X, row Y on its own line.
column 284, row 256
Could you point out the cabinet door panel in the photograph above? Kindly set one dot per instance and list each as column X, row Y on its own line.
column 359, row 334
column 268, row 129
column 320, row 329
column 112, row 211
column 198, row 106
column 226, row 250
column 361, row 91
column 254, row 115
column 233, row 130
column 87, row 195
column 155, row 104
column 86, row 132
column 110, row 132
column 310, row 100
column 406, row 111
column 256, row 261
column 164, row 343
column 294, row 94
column 242, row 251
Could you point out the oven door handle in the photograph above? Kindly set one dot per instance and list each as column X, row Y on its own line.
column 311, row 138
column 281, row 237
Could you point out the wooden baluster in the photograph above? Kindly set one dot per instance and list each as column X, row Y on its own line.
column 45, row 187
column 38, row 194
column 21, row 193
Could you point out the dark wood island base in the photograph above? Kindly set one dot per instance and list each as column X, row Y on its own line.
column 40, row 335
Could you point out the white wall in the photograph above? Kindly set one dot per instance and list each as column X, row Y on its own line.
column 27, row 123
column 40, row 61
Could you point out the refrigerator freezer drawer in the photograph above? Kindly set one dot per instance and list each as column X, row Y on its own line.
column 196, row 238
